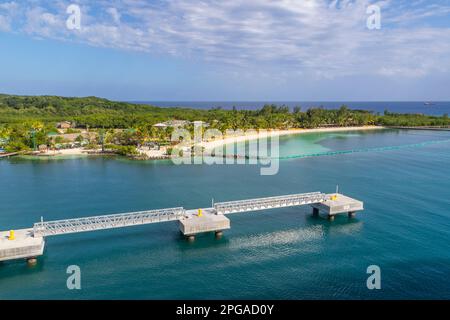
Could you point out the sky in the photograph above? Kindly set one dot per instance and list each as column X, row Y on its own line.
column 233, row 50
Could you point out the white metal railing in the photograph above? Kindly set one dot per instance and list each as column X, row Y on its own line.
column 269, row 203
column 51, row 228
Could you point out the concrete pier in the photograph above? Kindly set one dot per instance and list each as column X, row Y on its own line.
column 337, row 203
column 29, row 244
column 24, row 245
column 208, row 221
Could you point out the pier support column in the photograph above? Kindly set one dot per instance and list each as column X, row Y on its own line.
column 219, row 234
column 315, row 212
column 330, row 217
column 190, row 238
column 32, row 261
column 352, row 214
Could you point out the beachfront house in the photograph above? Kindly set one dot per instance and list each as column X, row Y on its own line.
column 52, row 135
column 172, row 124
column 64, row 125
column 160, row 125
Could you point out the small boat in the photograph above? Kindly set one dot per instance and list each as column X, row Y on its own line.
column 429, row 103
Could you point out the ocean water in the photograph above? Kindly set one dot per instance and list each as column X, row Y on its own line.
column 402, row 176
column 438, row 108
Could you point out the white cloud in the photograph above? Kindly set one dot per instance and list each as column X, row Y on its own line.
column 40, row 22
column 321, row 38
column 115, row 15
column 8, row 10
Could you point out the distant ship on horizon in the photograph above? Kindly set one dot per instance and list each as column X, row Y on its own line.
column 429, row 103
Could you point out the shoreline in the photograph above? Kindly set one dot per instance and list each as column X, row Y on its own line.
column 208, row 145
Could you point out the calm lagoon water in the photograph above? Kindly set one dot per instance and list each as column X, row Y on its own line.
column 402, row 176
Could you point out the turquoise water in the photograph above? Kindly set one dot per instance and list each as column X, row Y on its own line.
column 402, row 176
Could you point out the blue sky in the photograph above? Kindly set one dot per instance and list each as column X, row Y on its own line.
column 227, row 50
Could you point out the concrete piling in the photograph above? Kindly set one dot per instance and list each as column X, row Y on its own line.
column 32, row 261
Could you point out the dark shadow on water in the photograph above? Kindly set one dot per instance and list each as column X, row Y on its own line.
column 201, row 241
column 129, row 239
column 20, row 267
column 341, row 223
column 123, row 235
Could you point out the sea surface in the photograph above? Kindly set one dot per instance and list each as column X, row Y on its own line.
column 438, row 108
column 401, row 175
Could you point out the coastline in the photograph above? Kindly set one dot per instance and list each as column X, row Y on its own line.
column 208, row 145
column 59, row 154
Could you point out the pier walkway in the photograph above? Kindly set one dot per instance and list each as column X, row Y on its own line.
column 269, row 203
column 29, row 243
column 53, row 228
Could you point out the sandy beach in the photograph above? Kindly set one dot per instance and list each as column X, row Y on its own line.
column 154, row 154
column 158, row 154
column 75, row 152
column 65, row 152
column 264, row 134
column 151, row 154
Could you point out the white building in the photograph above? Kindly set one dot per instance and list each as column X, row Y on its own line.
column 160, row 125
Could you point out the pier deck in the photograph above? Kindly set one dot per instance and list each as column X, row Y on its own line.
column 338, row 203
column 25, row 245
column 29, row 243
column 209, row 221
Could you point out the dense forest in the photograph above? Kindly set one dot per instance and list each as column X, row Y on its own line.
column 102, row 113
column 27, row 120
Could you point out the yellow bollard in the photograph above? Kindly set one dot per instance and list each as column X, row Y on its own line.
column 200, row 214
column 12, row 235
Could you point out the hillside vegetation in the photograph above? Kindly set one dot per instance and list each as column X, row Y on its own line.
column 28, row 121
column 97, row 112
